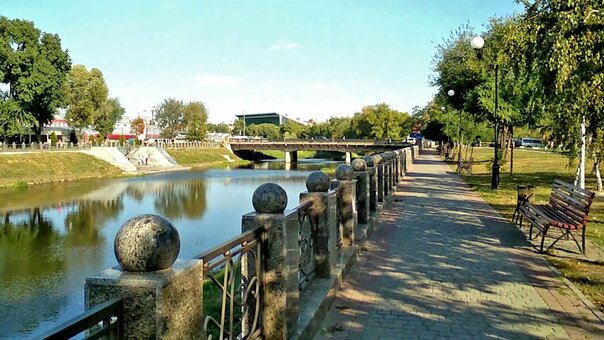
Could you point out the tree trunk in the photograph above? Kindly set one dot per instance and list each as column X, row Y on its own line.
column 597, row 171
column 511, row 151
column 503, row 143
column 582, row 160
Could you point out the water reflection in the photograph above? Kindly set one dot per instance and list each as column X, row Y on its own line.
column 30, row 271
column 52, row 237
column 176, row 199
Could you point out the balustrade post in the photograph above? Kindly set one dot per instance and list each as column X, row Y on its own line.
column 362, row 190
column 348, row 212
column 162, row 296
column 378, row 161
column 280, row 257
column 397, row 165
column 386, row 163
column 372, row 172
column 323, row 212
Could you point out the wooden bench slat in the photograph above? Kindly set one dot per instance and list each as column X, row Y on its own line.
column 574, row 188
column 582, row 206
column 568, row 209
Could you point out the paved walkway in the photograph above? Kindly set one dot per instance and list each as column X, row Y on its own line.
column 443, row 264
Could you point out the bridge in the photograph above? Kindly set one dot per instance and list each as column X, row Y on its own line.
column 292, row 146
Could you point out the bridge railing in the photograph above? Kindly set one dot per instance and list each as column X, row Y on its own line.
column 310, row 140
column 255, row 285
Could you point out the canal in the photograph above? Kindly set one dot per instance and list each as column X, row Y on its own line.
column 53, row 236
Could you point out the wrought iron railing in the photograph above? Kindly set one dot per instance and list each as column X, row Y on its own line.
column 307, row 230
column 101, row 321
column 233, row 275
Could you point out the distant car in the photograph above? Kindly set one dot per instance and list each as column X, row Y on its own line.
column 410, row 140
column 536, row 143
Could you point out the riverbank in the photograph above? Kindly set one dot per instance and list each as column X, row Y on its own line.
column 21, row 170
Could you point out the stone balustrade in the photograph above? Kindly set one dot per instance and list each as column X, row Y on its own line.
column 275, row 280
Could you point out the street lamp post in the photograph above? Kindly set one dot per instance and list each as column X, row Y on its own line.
column 451, row 93
column 477, row 44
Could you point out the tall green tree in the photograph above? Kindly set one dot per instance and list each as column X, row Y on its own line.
column 34, row 66
column 385, row 122
column 87, row 95
column 111, row 112
column 170, row 117
column 566, row 51
column 196, row 117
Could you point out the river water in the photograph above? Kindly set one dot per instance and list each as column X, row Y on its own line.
column 53, row 236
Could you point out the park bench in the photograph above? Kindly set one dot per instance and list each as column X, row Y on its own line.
column 465, row 166
column 451, row 156
column 566, row 212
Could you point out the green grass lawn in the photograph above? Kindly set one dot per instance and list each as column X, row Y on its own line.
column 47, row 167
column 540, row 168
column 201, row 157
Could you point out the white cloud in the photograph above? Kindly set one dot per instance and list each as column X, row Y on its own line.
column 217, row 80
column 283, row 46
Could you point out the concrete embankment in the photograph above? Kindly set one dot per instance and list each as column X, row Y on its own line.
column 112, row 156
column 151, row 156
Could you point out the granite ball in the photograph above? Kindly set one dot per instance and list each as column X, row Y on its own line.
column 358, row 165
column 317, row 182
column 146, row 243
column 377, row 159
column 269, row 198
column 369, row 161
column 344, row 172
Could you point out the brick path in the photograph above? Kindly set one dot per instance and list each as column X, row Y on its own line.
column 442, row 264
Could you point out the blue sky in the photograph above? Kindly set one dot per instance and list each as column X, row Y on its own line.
column 308, row 59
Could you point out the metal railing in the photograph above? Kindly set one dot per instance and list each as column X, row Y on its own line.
column 234, row 271
column 101, row 321
column 307, row 230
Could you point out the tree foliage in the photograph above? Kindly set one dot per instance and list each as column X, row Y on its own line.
column 34, row 66
column 137, row 126
column 87, row 95
column 195, row 116
column 170, row 117
column 110, row 113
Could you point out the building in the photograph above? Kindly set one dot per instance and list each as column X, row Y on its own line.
column 268, row 118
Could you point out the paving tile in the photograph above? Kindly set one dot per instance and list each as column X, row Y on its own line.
column 443, row 264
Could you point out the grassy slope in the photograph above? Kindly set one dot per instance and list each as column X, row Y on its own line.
column 46, row 167
column 201, row 157
column 540, row 169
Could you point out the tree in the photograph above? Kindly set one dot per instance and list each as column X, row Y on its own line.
column 385, row 122
column 292, row 129
column 565, row 50
column 339, row 127
column 170, row 117
column 87, row 95
column 195, row 116
column 238, row 127
column 265, row 130
column 219, row 128
column 111, row 112
column 137, row 126
column 34, row 66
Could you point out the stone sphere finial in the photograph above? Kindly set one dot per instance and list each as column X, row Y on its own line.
column 369, row 161
column 269, row 198
column 377, row 159
column 358, row 165
column 146, row 243
column 344, row 172
column 317, row 182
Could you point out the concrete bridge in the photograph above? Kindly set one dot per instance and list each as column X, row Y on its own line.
column 291, row 147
